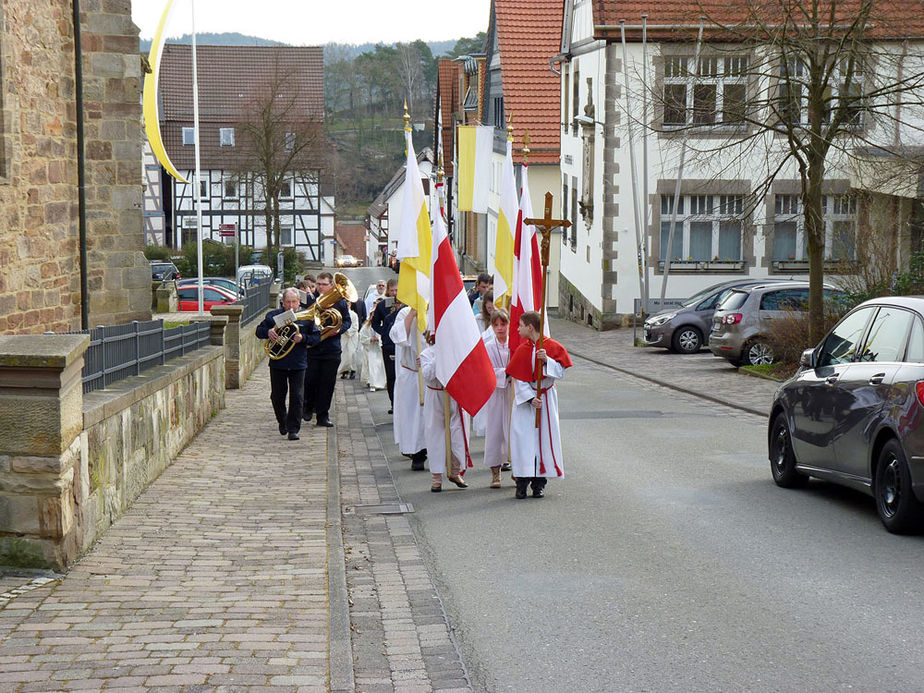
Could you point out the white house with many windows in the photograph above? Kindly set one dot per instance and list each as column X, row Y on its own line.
column 674, row 125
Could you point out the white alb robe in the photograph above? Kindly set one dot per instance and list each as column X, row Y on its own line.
column 408, row 414
column 373, row 367
column 435, row 399
column 536, row 451
column 496, row 411
column 349, row 346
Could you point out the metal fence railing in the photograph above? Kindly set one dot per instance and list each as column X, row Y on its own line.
column 256, row 303
column 120, row 351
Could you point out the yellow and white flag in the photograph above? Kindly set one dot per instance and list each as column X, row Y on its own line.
column 476, row 143
column 414, row 241
column 506, row 229
column 149, row 98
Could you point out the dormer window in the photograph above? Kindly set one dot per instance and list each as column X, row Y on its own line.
column 226, row 137
column 189, row 136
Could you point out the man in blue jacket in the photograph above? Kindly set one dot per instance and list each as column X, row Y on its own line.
column 287, row 375
column 324, row 360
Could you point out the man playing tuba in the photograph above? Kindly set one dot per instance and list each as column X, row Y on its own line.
column 324, row 359
column 287, row 373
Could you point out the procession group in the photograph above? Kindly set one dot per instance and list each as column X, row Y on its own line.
column 378, row 338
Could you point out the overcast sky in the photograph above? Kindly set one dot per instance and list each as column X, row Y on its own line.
column 316, row 22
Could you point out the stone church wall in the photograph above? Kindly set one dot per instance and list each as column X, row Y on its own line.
column 39, row 253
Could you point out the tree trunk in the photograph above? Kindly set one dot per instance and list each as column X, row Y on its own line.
column 815, row 236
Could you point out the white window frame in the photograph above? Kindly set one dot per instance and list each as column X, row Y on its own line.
column 714, row 209
column 289, row 141
column 835, row 209
column 189, row 136
column 283, row 230
column 226, row 137
column 291, row 183
column 796, row 71
column 717, row 71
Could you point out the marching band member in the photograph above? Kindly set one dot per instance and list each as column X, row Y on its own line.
column 287, row 374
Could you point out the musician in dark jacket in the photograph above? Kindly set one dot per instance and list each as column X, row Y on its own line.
column 383, row 317
column 324, row 360
column 287, row 374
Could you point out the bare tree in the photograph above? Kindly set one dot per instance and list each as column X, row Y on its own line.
column 831, row 86
column 281, row 146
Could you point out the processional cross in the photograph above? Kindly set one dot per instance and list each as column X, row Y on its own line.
column 545, row 226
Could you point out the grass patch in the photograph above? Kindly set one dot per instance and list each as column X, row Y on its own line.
column 168, row 325
column 773, row 371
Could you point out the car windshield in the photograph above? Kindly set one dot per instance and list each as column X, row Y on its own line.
column 697, row 297
column 734, row 300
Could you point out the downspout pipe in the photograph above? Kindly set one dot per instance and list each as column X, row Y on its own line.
column 81, row 175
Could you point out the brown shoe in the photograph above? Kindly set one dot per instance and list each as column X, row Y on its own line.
column 495, row 477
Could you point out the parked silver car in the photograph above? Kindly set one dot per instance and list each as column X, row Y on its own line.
column 741, row 322
column 854, row 413
column 683, row 328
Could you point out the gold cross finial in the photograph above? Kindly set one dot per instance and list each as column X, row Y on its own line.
column 407, row 118
column 509, row 129
column 439, row 168
column 526, row 146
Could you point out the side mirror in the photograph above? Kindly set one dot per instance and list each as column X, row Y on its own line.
column 807, row 360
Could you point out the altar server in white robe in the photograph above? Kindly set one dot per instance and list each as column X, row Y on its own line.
column 497, row 410
column 535, row 451
column 349, row 342
column 435, row 403
column 370, row 352
column 408, row 413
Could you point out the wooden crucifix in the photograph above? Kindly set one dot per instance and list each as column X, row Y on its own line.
column 545, row 226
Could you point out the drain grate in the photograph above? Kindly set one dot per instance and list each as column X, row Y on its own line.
column 378, row 509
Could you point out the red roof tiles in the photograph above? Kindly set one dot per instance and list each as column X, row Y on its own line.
column 679, row 19
column 528, row 34
column 448, row 89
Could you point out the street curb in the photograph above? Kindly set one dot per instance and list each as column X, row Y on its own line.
column 671, row 386
column 340, row 652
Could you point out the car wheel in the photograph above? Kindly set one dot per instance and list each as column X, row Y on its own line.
column 896, row 504
column 756, row 353
column 782, row 457
column 687, row 340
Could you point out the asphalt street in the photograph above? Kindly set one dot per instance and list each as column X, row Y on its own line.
column 666, row 559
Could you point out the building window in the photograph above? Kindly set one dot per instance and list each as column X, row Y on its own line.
column 564, row 210
column 203, row 188
column 189, row 136
column 290, row 141
column 840, row 219
column 285, row 189
column 226, row 137
column 499, row 112
column 715, row 95
column 575, row 98
column 566, row 95
column 285, row 235
column 229, row 189
column 708, row 227
column 794, row 79
column 574, row 213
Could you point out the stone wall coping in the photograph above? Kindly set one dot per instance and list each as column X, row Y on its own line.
column 101, row 404
column 42, row 351
column 232, row 311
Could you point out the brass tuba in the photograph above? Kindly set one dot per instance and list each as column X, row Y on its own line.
column 322, row 312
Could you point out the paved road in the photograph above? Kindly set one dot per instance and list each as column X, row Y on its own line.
column 667, row 559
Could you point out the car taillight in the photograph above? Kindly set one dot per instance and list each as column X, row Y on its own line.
column 732, row 319
column 919, row 391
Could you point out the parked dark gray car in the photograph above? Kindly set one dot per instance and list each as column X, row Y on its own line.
column 684, row 328
column 854, row 413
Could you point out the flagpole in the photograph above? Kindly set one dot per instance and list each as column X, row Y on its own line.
column 197, row 185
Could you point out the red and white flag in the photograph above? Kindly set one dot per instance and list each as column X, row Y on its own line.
column 462, row 362
column 527, row 267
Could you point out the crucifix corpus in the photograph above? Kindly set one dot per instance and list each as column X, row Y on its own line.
column 545, row 226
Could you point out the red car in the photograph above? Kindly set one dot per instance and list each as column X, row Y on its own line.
column 211, row 296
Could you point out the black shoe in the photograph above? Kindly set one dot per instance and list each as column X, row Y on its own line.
column 538, row 493
column 390, row 411
column 505, row 467
column 538, row 486
column 417, row 461
column 306, row 416
column 352, row 375
column 327, row 423
column 282, row 429
column 521, row 488
column 457, row 480
column 293, row 435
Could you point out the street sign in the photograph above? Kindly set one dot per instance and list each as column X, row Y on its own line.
column 227, row 230
column 226, row 234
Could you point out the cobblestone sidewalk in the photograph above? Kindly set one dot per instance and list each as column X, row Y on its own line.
column 216, row 578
